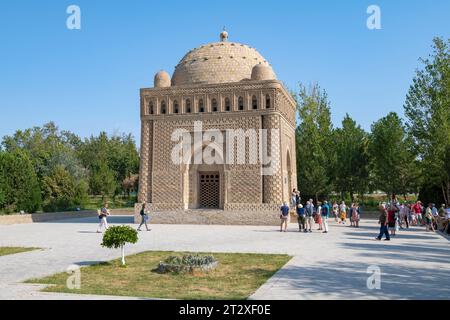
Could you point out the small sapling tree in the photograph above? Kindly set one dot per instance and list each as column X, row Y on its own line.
column 117, row 236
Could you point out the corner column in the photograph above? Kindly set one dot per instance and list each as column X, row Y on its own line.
column 146, row 161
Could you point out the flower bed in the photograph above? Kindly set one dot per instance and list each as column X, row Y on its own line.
column 187, row 263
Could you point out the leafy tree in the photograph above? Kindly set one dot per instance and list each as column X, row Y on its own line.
column 427, row 109
column 19, row 183
column 47, row 147
column 62, row 191
column 314, row 142
column 2, row 195
column 117, row 236
column 54, row 158
column 352, row 159
column 392, row 162
column 120, row 155
column 102, row 180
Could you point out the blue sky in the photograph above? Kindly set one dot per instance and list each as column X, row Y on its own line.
column 88, row 80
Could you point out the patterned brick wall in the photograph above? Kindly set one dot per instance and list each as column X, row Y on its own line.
column 272, row 183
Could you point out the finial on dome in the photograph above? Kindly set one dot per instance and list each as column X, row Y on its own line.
column 224, row 35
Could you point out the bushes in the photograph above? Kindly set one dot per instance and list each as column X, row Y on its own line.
column 19, row 185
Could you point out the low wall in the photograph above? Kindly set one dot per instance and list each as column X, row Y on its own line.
column 210, row 217
column 54, row 216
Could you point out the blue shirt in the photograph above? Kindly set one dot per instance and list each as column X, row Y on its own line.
column 325, row 210
column 285, row 211
column 301, row 211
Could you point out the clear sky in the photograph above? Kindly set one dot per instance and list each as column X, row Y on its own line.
column 88, row 80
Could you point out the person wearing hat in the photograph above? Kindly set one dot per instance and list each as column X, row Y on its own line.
column 417, row 210
column 325, row 215
column 301, row 218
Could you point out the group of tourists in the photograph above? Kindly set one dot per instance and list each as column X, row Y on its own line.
column 395, row 216
column 318, row 213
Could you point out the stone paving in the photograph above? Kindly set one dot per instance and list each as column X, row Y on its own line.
column 414, row 265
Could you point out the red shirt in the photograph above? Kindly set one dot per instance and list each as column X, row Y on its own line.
column 416, row 208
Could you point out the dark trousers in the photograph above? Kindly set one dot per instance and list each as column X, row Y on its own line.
column 301, row 223
column 406, row 220
column 384, row 231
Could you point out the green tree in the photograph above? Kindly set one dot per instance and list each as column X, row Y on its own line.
column 427, row 109
column 315, row 156
column 392, row 162
column 19, row 183
column 117, row 236
column 52, row 152
column 102, row 180
column 62, row 191
column 352, row 159
column 2, row 194
column 120, row 155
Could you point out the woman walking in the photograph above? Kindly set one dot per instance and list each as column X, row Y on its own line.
column 336, row 212
column 392, row 219
column 144, row 218
column 429, row 218
column 318, row 216
column 102, row 214
column 356, row 215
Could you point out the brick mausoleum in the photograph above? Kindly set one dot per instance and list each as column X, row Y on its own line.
column 225, row 85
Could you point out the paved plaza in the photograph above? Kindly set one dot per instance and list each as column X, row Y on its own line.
column 414, row 265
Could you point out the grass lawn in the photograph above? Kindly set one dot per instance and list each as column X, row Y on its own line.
column 236, row 277
column 13, row 250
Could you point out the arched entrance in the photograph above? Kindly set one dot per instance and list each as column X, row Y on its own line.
column 204, row 185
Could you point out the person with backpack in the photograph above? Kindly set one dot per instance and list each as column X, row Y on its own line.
column 325, row 213
column 144, row 218
column 102, row 214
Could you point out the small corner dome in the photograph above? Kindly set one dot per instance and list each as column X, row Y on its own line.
column 262, row 72
column 162, row 80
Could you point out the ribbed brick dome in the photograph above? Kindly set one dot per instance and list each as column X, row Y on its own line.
column 218, row 62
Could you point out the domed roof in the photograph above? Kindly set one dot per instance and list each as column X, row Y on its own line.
column 162, row 79
column 218, row 62
column 262, row 72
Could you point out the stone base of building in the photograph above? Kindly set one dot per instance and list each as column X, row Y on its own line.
column 233, row 214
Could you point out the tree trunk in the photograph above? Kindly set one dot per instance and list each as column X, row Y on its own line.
column 352, row 197
column 123, row 255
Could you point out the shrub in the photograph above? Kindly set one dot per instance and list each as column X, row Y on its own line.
column 187, row 263
column 117, row 236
